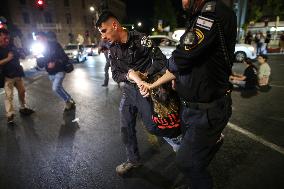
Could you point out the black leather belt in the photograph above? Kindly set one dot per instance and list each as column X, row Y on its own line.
column 204, row 106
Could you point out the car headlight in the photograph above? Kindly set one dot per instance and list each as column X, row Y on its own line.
column 251, row 49
column 75, row 52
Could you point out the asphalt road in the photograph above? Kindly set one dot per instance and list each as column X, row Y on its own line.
column 81, row 149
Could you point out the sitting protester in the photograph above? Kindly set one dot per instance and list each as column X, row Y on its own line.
column 249, row 79
column 263, row 72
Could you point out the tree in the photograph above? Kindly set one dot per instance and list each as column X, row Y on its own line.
column 163, row 10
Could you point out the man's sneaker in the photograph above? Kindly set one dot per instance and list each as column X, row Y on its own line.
column 70, row 104
column 26, row 111
column 126, row 167
column 10, row 119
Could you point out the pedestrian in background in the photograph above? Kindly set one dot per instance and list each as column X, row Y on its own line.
column 201, row 65
column 104, row 47
column 130, row 51
column 54, row 60
column 14, row 73
column 248, row 38
column 281, row 42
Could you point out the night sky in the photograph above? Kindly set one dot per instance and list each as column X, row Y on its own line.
column 142, row 10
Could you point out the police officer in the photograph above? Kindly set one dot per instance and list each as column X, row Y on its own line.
column 130, row 51
column 201, row 65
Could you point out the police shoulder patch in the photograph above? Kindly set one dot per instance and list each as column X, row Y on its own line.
column 146, row 41
column 204, row 23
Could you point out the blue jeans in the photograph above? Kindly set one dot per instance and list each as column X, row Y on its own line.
column 57, row 87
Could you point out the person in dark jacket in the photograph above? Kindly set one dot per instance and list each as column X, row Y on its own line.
column 54, row 60
column 130, row 51
column 14, row 73
column 201, row 65
column 249, row 79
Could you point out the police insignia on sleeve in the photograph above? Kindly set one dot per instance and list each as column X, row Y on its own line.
column 204, row 23
column 146, row 42
column 192, row 39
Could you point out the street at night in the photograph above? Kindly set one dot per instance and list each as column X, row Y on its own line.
column 81, row 148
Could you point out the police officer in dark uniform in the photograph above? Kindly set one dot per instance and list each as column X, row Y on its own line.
column 201, row 65
column 130, row 51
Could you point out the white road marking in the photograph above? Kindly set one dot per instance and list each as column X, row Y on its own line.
column 257, row 138
column 281, row 86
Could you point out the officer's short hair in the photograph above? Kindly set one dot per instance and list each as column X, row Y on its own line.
column 104, row 17
column 4, row 31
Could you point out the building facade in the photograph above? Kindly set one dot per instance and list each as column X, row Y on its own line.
column 68, row 19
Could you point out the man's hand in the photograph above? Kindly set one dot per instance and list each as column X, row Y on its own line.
column 145, row 89
column 51, row 65
column 143, row 76
column 10, row 56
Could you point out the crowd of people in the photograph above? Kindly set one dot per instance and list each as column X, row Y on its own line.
column 53, row 60
column 253, row 78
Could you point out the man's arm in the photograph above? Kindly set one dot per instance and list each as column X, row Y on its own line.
column 7, row 59
column 117, row 74
column 145, row 88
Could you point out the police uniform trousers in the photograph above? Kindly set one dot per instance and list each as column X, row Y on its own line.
column 132, row 104
column 202, row 130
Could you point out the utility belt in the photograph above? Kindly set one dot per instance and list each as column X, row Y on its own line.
column 205, row 106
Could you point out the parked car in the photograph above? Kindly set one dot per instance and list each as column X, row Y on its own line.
column 76, row 52
column 165, row 43
column 92, row 50
column 243, row 51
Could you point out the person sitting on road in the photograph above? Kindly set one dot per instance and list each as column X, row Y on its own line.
column 249, row 79
column 263, row 73
column 14, row 73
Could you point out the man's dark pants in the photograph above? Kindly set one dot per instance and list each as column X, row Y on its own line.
column 202, row 130
column 131, row 104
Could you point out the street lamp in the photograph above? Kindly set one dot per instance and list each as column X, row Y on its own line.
column 139, row 24
column 153, row 29
column 92, row 9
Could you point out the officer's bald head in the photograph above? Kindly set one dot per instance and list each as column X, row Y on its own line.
column 106, row 17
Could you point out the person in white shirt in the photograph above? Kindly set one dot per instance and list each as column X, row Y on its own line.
column 264, row 71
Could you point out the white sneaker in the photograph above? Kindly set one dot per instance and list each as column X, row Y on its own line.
column 126, row 167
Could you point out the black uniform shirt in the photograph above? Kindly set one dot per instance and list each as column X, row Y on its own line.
column 137, row 54
column 12, row 68
column 202, row 71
